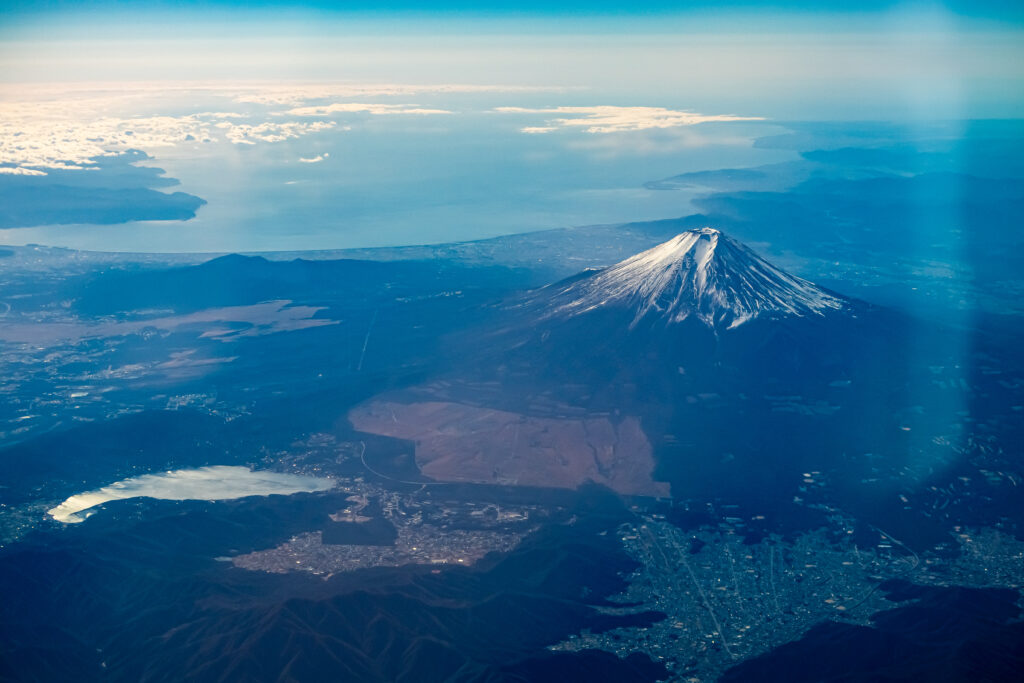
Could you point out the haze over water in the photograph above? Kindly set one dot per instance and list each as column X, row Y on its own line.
column 323, row 131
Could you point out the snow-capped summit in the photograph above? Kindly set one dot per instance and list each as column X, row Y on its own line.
column 701, row 274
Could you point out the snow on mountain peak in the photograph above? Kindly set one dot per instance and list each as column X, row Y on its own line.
column 701, row 273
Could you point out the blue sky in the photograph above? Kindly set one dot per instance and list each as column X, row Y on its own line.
column 973, row 45
column 526, row 15
column 999, row 9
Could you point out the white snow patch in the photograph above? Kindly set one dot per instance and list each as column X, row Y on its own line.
column 701, row 273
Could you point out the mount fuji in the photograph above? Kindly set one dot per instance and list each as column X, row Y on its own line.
column 700, row 274
column 680, row 368
column 695, row 310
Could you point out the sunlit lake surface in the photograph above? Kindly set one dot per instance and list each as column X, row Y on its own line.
column 217, row 482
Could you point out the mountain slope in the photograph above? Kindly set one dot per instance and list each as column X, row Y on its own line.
column 714, row 355
column 701, row 274
column 692, row 311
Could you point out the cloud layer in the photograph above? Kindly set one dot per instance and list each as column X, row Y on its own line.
column 70, row 128
column 293, row 96
column 612, row 119
column 35, row 137
column 247, row 134
column 357, row 108
column 73, row 128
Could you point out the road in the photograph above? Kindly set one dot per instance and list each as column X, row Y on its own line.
column 362, row 458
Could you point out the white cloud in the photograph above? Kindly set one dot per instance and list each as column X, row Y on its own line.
column 41, row 138
column 354, row 107
column 246, row 134
column 296, row 95
column 314, row 160
column 69, row 126
column 657, row 141
column 72, row 134
column 221, row 115
column 19, row 170
column 611, row 119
